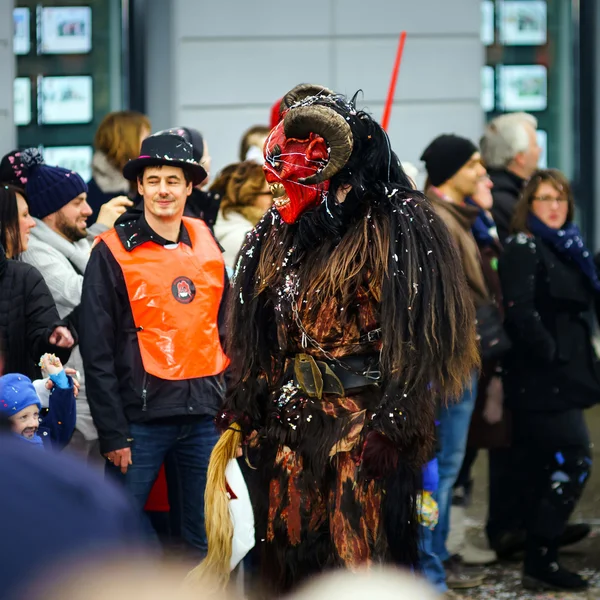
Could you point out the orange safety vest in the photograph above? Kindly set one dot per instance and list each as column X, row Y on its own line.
column 175, row 294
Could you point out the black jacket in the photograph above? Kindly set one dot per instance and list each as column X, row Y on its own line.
column 119, row 389
column 548, row 305
column 506, row 191
column 203, row 205
column 28, row 316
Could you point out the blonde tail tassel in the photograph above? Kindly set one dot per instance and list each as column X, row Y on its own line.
column 215, row 568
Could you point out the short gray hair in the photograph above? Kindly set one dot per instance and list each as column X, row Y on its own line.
column 504, row 137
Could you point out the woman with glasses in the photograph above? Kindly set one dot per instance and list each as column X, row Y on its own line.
column 550, row 287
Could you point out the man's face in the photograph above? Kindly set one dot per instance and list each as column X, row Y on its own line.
column 530, row 158
column 286, row 161
column 466, row 179
column 26, row 421
column 71, row 220
column 165, row 191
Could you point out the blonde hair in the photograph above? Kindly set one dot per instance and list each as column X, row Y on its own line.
column 219, row 528
column 118, row 136
column 244, row 184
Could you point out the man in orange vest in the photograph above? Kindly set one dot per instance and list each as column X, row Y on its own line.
column 150, row 312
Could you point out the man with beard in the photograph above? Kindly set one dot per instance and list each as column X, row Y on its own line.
column 59, row 248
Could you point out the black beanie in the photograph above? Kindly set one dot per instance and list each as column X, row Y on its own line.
column 446, row 155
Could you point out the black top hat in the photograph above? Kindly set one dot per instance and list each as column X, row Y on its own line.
column 165, row 149
column 193, row 136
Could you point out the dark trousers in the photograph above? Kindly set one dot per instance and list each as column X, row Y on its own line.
column 556, row 461
column 190, row 446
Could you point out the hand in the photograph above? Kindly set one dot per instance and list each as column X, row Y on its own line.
column 50, row 364
column 74, row 376
column 492, row 411
column 76, row 385
column 120, row 458
column 112, row 210
column 379, row 457
column 61, row 337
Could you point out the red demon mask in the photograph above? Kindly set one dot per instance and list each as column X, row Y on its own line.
column 302, row 153
column 289, row 163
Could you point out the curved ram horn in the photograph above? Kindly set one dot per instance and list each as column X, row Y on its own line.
column 304, row 90
column 302, row 121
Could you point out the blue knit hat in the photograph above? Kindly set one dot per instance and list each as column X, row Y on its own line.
column 48, row 189
column 16, row 393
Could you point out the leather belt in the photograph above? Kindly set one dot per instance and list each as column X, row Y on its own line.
column 316, row 377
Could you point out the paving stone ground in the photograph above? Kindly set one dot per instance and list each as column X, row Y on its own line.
column 503, row 581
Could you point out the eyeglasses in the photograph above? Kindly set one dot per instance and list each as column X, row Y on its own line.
column 559, row 199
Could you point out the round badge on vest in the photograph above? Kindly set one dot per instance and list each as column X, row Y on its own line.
column 183, row 290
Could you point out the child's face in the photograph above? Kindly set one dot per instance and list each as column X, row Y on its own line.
column 26, row 421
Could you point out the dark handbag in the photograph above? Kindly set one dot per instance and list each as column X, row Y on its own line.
column 493, row 341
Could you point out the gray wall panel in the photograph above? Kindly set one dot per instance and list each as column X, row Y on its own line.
column 8, row 134
column 231, row 59
column 418, row 17
column 233, row 72
column 222, row 142
column 431, row 68
column 251, row 18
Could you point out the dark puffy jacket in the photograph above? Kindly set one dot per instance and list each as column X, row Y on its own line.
column 119, row 390
column 28, row 316
column 506, row 191
column 548, row 303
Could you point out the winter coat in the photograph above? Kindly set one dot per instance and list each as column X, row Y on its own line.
column 506, row 191
column 58, row 423
column 63, row 264
column 203, row 205
column 548, row 303
column 481, row 433
column 28, row 316
column 107, row 183
column 459, row 219
column 120, row 390
column 230, row 232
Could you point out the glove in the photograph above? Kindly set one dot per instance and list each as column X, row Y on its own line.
column 379, row 457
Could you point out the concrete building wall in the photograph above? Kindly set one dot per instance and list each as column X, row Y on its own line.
column 219, row 65
column 7, row 75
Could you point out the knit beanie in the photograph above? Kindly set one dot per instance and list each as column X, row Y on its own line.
column 16, row 393
column 445, row 156
column 50, row 188
column 14, row 166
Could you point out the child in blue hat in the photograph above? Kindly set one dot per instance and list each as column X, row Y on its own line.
column 20, row 404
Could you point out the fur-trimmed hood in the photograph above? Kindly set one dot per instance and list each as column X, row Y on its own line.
column 107, row 176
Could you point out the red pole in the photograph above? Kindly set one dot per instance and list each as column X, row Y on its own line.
column 387, row 111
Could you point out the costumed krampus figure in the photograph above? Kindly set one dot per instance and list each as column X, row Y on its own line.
column 350, row 315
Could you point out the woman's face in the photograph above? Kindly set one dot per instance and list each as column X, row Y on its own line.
column 26, row 222
column 264, row 199
column 550, row 206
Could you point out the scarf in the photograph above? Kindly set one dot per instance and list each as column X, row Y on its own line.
column 484, row 228
column 567, row 241
column 77, row 253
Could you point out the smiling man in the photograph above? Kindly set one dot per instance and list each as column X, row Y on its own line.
column 59, row 248
column 150, row 342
